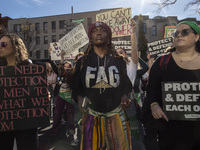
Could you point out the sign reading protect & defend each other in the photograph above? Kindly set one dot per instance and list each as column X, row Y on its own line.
column 157, row 48
column 181, row 100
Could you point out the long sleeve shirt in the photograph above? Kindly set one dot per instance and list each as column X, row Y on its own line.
column 103, row 80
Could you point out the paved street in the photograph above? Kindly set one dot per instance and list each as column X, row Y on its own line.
column 61, row 142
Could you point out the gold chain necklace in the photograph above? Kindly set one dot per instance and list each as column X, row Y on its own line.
column 187, row 60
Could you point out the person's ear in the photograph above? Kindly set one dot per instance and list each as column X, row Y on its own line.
column 197, row 37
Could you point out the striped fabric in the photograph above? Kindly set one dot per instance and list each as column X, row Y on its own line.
column 105, row 133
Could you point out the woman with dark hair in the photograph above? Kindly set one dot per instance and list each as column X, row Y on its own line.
column 101, row 87
column 182, row 132
column 63, row 99
column 14, row 53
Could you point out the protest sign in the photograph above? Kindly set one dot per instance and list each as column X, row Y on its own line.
column 169, row 30
column 157, row 48
column 119, row 21
column 181, row 100
column 55, row 50
column 24, row 101
column 123, row 44
column 73, row 41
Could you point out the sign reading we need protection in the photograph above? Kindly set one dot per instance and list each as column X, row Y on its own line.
column 119, row 21
column 24, row 101
column 181, row 100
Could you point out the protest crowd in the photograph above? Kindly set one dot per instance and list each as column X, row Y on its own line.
column 122, row 102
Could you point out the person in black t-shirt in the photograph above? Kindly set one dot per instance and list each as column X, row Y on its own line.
column 183, row 66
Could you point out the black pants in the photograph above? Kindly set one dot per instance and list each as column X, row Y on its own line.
column 26, row 139
column 180, row 135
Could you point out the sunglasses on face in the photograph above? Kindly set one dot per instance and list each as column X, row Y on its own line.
column 183, row 32
column 121, row 52
column 3, row 44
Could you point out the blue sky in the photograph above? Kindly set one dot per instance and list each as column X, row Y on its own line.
column 40, row 8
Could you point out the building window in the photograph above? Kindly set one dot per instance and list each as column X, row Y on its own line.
column 17, row 28
column 37, row 27
column 62, row 24
column 30, row 27
column 37, row 40
column 145, row 28
column 89, row 21
column 45, row 39
column 53, row 38
column 61, row 35
column 46, row 54
column 45, row 26
column 38, row 54
column 53, row 25
column 154, row 30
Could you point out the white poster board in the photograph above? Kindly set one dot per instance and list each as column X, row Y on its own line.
column 55, row 51
column 73, row 41
column 169, row 30
column 119, row 21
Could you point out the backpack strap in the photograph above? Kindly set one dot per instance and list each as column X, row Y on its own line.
column 164, row 61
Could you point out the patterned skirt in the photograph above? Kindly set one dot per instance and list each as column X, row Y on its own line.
column 108, row 131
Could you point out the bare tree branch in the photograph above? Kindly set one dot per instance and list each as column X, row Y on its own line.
column 166, row 3
column 163, row 4
column 193, row 3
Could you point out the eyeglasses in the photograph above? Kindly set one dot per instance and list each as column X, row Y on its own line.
column 3, row 44
column 183, row 32
column 121, row 52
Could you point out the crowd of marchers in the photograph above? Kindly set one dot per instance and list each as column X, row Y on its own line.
column 120, row 97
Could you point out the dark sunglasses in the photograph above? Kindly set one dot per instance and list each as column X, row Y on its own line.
column 121, row 52
column 3, row 44
column 183, row 32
